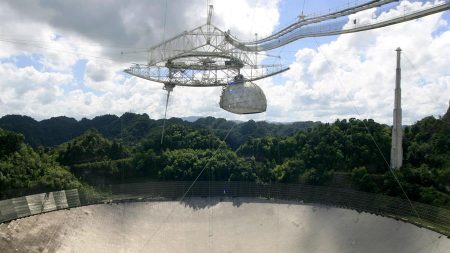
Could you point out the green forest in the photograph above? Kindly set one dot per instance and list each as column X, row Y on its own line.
column 62, row 153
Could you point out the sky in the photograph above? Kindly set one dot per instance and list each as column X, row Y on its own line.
column 64, row 58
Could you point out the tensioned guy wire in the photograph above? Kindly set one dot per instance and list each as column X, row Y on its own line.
column 187, row 191
column 339, row 81
column 168, row 90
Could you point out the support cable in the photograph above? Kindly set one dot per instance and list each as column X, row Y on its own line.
column 302, row 15
column 339, row 81
column 168, row 87
column 416, row 69
column 209, row 12
column 169, row 215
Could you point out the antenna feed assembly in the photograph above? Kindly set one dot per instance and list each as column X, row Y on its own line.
column 203, row 57
column 243, row 97
column 207, row 56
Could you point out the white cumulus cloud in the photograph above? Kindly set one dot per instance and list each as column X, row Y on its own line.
column 354, row 76
column 355, row 71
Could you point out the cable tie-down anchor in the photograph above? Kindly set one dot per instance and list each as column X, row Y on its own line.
column 169, row 87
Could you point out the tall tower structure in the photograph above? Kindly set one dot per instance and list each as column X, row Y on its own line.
column 397, row 131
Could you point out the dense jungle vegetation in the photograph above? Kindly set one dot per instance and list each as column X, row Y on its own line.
column 61, row 153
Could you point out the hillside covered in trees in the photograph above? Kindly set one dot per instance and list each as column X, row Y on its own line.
column 24, row 169
column 111, row 149
column 131, row 128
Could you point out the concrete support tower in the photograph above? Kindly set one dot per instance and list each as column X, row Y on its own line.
column 397, row 131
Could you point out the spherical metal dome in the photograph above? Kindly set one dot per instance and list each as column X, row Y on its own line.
column 243, row 98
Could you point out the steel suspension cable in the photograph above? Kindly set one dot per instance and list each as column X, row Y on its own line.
column 168, row 90
column 169, row 215
column 339, row 81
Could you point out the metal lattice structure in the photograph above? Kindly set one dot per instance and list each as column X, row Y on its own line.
column 336, row 23
column 207, row 56
column 202, row 57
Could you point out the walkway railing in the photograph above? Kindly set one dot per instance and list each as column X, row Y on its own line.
column 331, row 26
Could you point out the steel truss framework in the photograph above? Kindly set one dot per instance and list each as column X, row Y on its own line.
column 335, row 23
column 201, row 57
column 207, row 56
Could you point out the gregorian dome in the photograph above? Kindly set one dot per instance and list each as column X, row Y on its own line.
column 243, row 97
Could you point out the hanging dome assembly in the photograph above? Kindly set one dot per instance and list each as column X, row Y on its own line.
column 243, row 98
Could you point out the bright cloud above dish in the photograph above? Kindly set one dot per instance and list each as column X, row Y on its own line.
column 63, row 58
